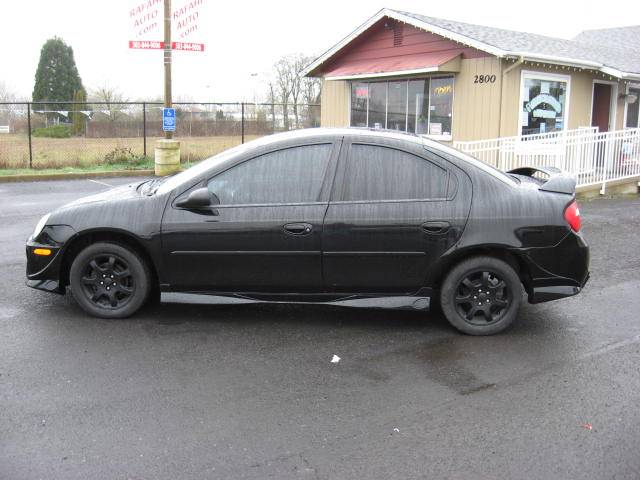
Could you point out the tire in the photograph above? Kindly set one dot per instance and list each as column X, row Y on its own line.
column 481, row 296
column 109, row 280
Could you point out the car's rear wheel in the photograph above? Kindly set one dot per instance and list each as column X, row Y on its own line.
column 481, row 296
column 109, row 280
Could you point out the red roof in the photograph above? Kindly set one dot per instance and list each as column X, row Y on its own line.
column 417, row 61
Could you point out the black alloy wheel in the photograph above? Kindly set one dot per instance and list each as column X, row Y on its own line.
column 109, row 280
column 481, row 295
column 482, row 298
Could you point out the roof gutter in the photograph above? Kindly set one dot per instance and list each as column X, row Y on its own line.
column 570, row 62
column 516, row 64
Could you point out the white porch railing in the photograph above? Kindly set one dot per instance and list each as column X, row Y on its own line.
column 593, row 157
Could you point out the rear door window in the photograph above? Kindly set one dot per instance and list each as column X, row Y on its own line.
column 378, row 173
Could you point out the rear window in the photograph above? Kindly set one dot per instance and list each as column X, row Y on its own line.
column 491, row 170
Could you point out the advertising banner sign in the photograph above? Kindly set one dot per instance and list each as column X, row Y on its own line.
column 145, row 18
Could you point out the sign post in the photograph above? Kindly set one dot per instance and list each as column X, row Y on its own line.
column 167, row 153
column 144, row 18
column 168, row 134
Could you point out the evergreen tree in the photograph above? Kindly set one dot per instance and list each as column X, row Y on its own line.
column 57, row 76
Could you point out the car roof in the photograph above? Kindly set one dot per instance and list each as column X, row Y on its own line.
column 351, row 131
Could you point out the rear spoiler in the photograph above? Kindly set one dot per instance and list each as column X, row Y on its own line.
column 558, row 182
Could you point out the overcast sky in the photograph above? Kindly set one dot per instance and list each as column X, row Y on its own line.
column 245, row 37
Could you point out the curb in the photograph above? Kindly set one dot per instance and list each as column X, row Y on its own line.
column 75, row 175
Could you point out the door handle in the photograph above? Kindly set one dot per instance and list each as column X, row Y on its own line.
column 436, row 227
column 298, row 228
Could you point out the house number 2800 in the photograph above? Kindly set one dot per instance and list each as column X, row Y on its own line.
column 484, row 78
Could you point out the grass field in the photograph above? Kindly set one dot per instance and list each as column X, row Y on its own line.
column 83, row 153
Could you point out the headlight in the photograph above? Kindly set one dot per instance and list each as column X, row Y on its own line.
column 40, row 225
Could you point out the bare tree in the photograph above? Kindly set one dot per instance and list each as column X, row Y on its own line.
column 289, row 86
column 8, row 112
column 6, row 94
column 283, row 85
column 311, row 90
column 297, row 63
column 271, row 95
column 111, row 97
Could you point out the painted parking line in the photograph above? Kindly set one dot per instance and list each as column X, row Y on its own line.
column 100, row 183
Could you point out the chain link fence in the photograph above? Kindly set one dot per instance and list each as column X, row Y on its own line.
column 122, row 135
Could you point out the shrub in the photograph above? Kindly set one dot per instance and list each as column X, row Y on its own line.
column 54, row 131
column 123, row 155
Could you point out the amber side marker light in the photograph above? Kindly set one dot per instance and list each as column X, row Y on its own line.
column 42, row 251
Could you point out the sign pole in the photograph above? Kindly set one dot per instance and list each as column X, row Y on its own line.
column 167, row 61
column 167, row 154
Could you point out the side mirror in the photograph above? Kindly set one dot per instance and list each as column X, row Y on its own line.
column 199, row 198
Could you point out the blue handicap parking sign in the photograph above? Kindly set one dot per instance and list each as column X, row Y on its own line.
column 169, row 119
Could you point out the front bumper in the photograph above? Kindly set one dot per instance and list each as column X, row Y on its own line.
column 44, row 271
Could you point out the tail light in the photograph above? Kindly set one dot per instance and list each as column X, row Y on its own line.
column 572, row 216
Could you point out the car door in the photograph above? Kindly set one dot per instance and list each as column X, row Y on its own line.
column 265, row 234
column 393, row 212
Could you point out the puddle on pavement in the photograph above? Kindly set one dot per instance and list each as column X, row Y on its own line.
column 8, row 312
column 442, row 361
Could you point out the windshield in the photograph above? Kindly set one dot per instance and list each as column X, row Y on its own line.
column 169, row 183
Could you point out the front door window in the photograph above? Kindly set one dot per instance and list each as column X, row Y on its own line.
column 292, row 175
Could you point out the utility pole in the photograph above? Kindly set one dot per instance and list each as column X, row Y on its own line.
column 167, row 60
column 167, row 153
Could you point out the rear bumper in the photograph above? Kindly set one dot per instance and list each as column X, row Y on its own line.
column 554, row 292
column 559, row 271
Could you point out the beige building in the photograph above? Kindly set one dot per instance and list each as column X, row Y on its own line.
column 455, row 81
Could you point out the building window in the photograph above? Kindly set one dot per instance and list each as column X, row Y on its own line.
column 359, row 99
column 377, row 104
column 543, row 103
column 633, row 109
column 422, row 106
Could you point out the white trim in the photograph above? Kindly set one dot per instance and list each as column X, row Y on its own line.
column 636, row 86
column 384, row 74
column 553, row 59
column 613, row 103
column 498, row 52
column 626, row 107
column 554, row 77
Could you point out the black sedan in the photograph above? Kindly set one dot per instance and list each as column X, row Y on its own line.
column 341, row 216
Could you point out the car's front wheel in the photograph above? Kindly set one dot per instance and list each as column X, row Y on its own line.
column 109, row 280
column 481, row 296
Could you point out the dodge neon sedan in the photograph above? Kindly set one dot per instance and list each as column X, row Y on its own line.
column 342, row 216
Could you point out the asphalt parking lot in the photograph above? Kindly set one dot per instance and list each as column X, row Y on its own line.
column 249, row 391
